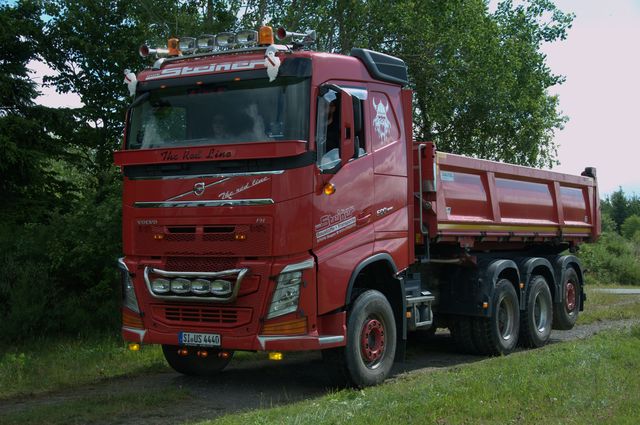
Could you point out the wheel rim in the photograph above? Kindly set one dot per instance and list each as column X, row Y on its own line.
column 541, row 314
column 372, row 342
column 505, row 319
column 571, row 296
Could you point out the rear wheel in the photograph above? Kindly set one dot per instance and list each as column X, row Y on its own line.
column 565, row 314
column 192, row 364
column 498, row 334
column 536, row 320
column 371, row 341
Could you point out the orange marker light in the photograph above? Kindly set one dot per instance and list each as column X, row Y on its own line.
column 329, row 189
column 224, row 354
column 485, row 305
column 265, row 36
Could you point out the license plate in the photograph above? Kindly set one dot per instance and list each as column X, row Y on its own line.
column 200, row 340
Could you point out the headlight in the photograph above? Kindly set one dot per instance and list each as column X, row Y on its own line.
column 129, row 299
column 221, row 287
column 161, row 285
column 286, row 296
column 201, row 286
column 180, row 285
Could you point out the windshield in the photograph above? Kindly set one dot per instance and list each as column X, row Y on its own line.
column 222, row 113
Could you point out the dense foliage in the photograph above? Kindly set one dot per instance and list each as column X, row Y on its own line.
column 479, row 77
column 615, row 259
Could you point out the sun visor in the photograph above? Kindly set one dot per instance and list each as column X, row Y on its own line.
column 383, row 67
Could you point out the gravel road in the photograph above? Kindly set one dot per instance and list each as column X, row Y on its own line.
column 246, row 385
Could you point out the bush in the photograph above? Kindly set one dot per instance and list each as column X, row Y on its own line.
column 60, row 277
column 630, row 227
column 613, row 259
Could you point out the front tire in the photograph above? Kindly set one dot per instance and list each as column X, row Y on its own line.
column 565, row 313
column 537, row 318
column 193, row 365
column 371, row 340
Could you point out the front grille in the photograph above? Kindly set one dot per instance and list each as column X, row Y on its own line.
column 200, row 264
column 179, row 237
column 202, row 315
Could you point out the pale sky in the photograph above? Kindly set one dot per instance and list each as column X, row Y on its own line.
column 601, row 96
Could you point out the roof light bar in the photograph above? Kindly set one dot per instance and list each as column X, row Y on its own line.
column 210, row 42
column 225, row 39
column 206, row 42
column 247, row 37
column 187, row 45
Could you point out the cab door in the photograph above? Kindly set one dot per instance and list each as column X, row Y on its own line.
column 343, row 201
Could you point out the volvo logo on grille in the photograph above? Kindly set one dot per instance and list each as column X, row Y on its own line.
column 198, row 188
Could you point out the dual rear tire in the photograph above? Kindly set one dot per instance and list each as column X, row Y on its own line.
column 507, row 326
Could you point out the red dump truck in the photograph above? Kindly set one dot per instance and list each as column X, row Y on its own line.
column 275, row 200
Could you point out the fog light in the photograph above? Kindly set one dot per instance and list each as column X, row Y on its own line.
column 201, row 286
column 274, row 355
column 180, row 285
column 161, row 285
column 133, row 346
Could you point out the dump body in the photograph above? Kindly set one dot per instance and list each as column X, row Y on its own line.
column 484, row 204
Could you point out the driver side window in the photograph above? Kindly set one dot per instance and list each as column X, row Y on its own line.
column 328, row 130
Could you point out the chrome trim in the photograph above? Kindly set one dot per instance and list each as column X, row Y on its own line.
column 206, row 203
column 322, row 340
column 210, row 176
column 307, row 264
column 141, row 332
column 236, row 287
column 192, row 191
column 161, row 61
column 122, row 265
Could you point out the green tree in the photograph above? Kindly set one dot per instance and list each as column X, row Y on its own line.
column 630, row 226
column 618, row 207
column 480, row 79
column 29, row 134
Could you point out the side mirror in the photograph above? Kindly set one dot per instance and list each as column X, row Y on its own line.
column 347, row 130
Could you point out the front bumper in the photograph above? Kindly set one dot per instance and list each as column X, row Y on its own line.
column 332, row 333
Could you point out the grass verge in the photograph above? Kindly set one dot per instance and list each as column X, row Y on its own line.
column 603, row 306
column 49, row 365
column 122, row 407
column 582, row 382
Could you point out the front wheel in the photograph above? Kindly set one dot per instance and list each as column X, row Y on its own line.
column 193, row 365
column 371, row 339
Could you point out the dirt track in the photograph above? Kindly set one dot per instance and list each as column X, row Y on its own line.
column 246, row 385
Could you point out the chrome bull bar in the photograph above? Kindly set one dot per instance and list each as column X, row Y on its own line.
column 238, row 273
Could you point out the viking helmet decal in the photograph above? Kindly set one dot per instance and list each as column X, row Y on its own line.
column 381, row 123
